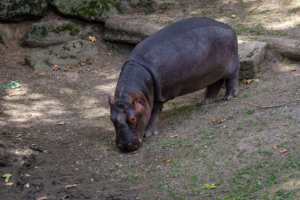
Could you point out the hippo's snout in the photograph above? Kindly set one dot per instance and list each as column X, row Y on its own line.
column 128, row 146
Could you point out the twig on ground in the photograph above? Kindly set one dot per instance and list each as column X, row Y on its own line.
column 266, row 106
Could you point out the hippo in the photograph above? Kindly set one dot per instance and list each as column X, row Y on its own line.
column 184, row 57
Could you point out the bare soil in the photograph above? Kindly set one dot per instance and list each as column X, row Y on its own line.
column 237, row 155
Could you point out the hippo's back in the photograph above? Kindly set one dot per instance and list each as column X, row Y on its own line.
column 187, row 56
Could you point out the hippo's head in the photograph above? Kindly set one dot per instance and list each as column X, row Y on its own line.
column 130, row 118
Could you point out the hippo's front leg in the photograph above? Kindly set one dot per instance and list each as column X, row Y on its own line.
column 152, row 127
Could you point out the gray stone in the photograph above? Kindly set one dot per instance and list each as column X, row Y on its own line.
column 145, row 6
column 91, row 10
column 70, row 53
column 125, row 29
column 17, row 10
column 251, row 54
column 55, row 32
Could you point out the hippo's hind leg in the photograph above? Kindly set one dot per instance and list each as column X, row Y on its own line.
column 232, row 83
column 152, row 127
column 211, row 92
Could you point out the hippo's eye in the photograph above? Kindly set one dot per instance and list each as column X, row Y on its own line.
column 133, row 119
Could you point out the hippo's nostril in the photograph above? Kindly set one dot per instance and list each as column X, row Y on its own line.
column 130, row 144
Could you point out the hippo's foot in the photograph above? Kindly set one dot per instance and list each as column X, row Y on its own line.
column 148, row 133
column 230, row 94
column 205, row 101
column 211, row 92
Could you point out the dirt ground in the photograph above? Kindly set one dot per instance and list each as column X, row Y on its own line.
column 55, row 130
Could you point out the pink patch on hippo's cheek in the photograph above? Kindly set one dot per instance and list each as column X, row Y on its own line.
column 121, row 118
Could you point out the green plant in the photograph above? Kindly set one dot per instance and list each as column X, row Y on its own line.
column 12, row 85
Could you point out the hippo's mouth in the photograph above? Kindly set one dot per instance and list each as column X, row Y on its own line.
column 129, row 146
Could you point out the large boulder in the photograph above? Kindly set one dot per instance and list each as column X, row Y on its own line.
column 55, row 32
column 70, row 53
column 286, row 47
column 91, row 10
column 122, row 28
column 251, row 53
column 17, row 10
column 145, row 6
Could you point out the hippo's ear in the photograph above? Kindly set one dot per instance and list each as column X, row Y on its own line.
column 110, row 101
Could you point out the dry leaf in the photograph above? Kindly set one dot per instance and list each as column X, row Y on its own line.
column 233, row 16
column 276, row 147
column 253, row 13
column 218, row 122
column 97, row 191
column 293, row 69
column 109, row 54
column 95, row 59
column 9, row 184
column 90, row 63
column 283, row 151
column 277, row 11
column 11, row 95
column 168, row 160
column 249, row 81
column 135, row 13
column 42, row 198
column 174, row 136
column 93, row 39
column 55, row 68
column 23, row 62
column 70, row 186
column 27, row 185
column 42, row 74
column 7, row 177
column 61, row 123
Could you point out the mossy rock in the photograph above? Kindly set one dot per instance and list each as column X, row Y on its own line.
column 18, row 10
column 70, row 53
column 91, row 10
column 55, row 32
column 145, row 6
